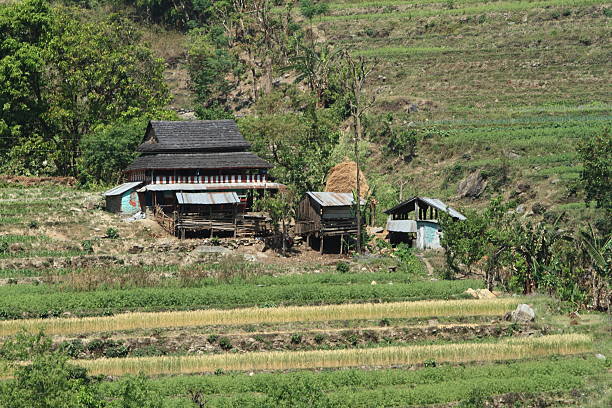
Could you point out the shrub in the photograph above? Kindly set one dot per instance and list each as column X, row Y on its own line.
column 72, row 348
column 115, row 350
column 296, row 338
column 225, row 343
column 87, row 246
column 342, row 267
column 33, row 224
column 112, row 233
column 384, row 322
column 213, row 338
column 319, row 338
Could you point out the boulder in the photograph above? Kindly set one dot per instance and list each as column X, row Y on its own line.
column 523, row 314
column 472, row 186
column 480, row 293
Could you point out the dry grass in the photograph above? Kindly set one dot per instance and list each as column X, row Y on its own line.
column 520, row 348
column 129, row 321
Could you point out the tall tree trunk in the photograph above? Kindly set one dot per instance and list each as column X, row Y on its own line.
column 358, row 184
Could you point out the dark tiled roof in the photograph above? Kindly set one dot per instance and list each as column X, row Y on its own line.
column 193, row 135
column 228, row 160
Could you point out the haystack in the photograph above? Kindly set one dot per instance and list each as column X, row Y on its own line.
column 342, row 179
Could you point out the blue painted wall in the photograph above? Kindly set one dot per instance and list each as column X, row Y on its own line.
column 129, row 202
column 428, row 236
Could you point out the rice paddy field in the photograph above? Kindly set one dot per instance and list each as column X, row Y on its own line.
column 237, row 332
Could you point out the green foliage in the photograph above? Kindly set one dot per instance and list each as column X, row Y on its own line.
column 181, row 14
column 343, row 267
column 408, row 262
column 43, row 377
column 297, row 393
column 475, row 399
column 112, row 233
column 225, row 343
column 403, row 142
column 529, row 256
column 209, row 64
column 136, row 392
column 439, row 385
column 61, row 76
column 298, row 143
column 296, row 338
column 108, row 150
column 596, row 155
column 87, row 246
column 312, row 8
column 48, row 380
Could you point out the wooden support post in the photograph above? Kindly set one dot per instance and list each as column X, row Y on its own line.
column 321, row 245
column 308, row 240
column 341, row 242
column 182, row 233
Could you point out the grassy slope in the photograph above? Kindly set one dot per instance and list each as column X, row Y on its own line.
column 516, row 84
column 509, row 85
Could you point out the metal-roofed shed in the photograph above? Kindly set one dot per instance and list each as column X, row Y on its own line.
column 123, row 198
column 415, row 221
column 322, row 215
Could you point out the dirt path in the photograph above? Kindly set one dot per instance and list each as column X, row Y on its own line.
column 430, row 269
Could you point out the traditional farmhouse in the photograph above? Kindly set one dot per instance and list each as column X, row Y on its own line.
column 415, row 221
column 327, row 216
column 199, row 175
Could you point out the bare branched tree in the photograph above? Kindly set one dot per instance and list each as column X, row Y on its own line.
column 355, row 72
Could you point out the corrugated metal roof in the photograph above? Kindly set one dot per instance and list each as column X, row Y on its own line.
column 120, row 189
column 402, row 226
column 328, row 199
column 229, row 197
column 212, row 186
column 433, row 202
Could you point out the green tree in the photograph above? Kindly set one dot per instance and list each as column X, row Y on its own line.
column 98, row 73
column 299, row 141
column 60, row 76
column 26, row 27
column 43, row 377
column 48, row 380
column 310, row 9
column 596, row 155
column 211, row 65
column 108, row 150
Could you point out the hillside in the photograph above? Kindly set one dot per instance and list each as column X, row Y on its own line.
column 506, row 88
column 510, row 85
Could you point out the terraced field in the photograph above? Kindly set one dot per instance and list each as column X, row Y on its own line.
column 236, row 333
column 504, row 87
